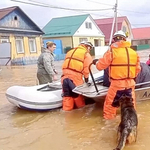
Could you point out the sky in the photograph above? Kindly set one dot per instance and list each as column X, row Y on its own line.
column 138, row 12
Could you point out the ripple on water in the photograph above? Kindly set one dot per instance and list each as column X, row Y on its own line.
column 82, row 129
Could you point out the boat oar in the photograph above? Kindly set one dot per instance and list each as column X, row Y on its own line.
column 43, row 87
column 93, row 77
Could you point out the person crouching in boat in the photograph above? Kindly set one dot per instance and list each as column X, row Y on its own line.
column 74, row 68
column 124, row 66
column 143, row 76
column 46, row 68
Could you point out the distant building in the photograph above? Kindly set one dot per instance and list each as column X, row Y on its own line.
column 106, row 25
column 72, row 30
column 141, row 37
column 22, row 33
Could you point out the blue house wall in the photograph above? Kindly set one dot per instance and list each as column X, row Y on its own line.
column 59, row 49
column 9, row 21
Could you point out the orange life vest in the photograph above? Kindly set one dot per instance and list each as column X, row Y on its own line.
column 74, row 59
column 123, row 65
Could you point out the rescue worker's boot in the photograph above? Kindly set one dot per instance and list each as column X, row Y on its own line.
column 68, row 103
column 79, row 101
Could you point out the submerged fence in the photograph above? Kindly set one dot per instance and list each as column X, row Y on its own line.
column 33, row 60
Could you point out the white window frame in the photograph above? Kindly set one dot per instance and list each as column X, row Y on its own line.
column 34, row 48
column 4, row 40
column 19, row 50
column 83, row 40
column 124, row 29
column 88, row 25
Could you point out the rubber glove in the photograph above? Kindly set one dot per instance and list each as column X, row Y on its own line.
column 87, row 81
column 94, row 61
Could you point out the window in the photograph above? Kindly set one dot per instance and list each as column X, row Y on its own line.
column 19, row 45
column 124, row 29
column 32, row 45
column 4, row 39
column 83, row 40
column 146, row 41
column 97, row 42
column 88, row 25
column 15, row 18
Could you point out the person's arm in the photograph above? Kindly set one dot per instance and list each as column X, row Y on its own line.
column 138, row 67
column 53, row 64
column 47, row 64
column 87, row 61
column 104, row 62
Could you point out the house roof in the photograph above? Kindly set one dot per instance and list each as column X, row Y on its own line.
column 141, row 33
column 106, row 25
column 6, row 11
column 64, row 26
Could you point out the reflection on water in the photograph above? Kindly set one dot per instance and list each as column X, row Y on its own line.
column 82, row 129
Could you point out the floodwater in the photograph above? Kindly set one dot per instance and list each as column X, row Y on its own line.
column 82, row 129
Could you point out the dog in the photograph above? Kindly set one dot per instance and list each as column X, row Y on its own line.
column 127, row 130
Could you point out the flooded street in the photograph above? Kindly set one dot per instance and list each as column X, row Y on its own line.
column 82, row 129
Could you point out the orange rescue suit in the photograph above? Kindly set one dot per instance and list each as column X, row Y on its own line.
column 124, row 65
column 76, row 64
column 74, row 68
column 74, row 60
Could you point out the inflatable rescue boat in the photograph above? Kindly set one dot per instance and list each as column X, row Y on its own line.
column 40, row 97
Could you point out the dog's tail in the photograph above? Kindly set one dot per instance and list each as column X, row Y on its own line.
column 122, row 140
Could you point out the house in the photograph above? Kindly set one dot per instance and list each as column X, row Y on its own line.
column 72, row 30
column 106, row 25
column 141, row 38
column 23, row 35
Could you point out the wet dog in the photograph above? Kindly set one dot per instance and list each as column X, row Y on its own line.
column 127, row 130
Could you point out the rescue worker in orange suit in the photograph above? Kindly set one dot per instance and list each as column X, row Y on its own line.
column 74, row 68
column 124, row 66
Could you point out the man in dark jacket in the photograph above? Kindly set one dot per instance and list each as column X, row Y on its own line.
column 143, row 76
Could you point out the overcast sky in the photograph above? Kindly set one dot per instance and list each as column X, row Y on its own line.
column 138, row 12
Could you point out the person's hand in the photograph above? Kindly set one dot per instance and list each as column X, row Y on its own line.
column 89, row 83
column 94, row 61
column 54, row 78
column 86, row 80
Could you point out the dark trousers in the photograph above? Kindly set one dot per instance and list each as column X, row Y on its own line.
column 44, row 78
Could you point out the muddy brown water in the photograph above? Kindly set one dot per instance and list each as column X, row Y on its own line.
column 82, row 129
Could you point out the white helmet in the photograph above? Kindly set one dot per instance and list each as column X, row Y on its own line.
column 120, row 33
column 87, row 43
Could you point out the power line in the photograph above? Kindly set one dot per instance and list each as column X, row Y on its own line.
column 119, row 9
column 134, row 11
column 57, row 7
column 100, row 3
column 141, row 23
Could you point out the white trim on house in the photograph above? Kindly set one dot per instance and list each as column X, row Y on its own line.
column 89, row 28
column 32, row 45
column 19, row 45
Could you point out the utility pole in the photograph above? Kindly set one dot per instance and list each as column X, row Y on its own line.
column 116, row 15
column 114, row 21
